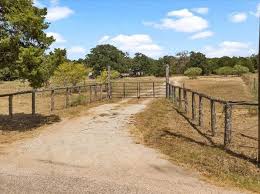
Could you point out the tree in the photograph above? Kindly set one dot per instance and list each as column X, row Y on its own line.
column 70, row 74
column 240, row 70
column 193, row 72
column 23, row 39
column 182, row 61
column 198, row 59
column 103, row 55
column 141, row 64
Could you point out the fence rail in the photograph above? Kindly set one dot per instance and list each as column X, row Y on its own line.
column 143, row 89
column 178, row 95
column 83, row 94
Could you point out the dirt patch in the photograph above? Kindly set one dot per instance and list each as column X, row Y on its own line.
column 94, row 156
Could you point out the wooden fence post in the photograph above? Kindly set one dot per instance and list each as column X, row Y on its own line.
column 213, row 117
column 193, row 106
column 167, row 80
column 200, row 110
column 109, row 81
column 90, row 94
column 228, row 124
column 124, row 93
column 10, row 99
column 67, row 98
column 174, row 95
column 95, row 92
column 33, row 103
column 153, row 90
column 180, row 99
column 101, row 92
column 52, row 100
column 185, row 100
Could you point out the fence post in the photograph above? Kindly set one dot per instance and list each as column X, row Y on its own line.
column 52, row 100
column 185, row 100
column 90, row 93
column 67, row 98
column 174, row 95
column 10, row 99
column 200, row 110
column 153, row 90
column 167, row 80
column 180, row 100
column 109, row 81
column 193, row 106
column 101, row 92
column 95, row 92
column 124, row 90
column 33, row 103
column 228, row 124
column 213, row 117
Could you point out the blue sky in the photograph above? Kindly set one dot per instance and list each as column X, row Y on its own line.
column 155, row 27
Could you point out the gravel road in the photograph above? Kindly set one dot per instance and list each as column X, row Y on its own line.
column 94, row 153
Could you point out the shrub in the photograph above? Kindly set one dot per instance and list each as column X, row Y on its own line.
column 240, row 70
column 226, row 70
column 70, row 74
column 193, row 72
column 80, row 99
column 103, row 77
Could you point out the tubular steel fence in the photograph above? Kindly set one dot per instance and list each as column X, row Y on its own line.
column 231, row 124
column 138, row 89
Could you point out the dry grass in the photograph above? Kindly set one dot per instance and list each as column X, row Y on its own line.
column 227, row 88
column 161, row 126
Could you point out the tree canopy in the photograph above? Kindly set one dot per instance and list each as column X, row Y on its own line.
column 23, row 40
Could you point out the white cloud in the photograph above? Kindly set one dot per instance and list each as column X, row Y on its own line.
column 229, row 48
column 58, row 13
column 184, row 21
column 180, row 13
column 37, row 3
column 76, row 52
column 238, row 17
column 54, row 2
column 202, row 35
column 103, row 39
column 201, row 10
column 58, row 37
column 257, row 12
column 136, row 43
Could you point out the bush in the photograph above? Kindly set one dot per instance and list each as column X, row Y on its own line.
column 226, row 70
column 193, row 72
column 79, row 100
column 103, row 77
column 70, row 74
column 240, row 70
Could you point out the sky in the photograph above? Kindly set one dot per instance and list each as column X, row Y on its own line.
column 155, row 27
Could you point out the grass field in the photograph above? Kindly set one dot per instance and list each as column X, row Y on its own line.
column 162, row 127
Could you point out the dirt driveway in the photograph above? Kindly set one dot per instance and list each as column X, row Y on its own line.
column 94, row 154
